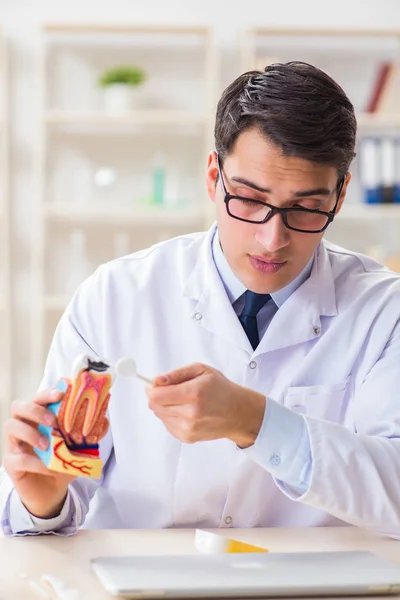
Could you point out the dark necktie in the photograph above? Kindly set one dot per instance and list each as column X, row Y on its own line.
column 253, row 303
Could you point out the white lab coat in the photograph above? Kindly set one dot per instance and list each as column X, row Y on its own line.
column 332, row 352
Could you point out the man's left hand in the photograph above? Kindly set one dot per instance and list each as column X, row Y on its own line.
column 197, row 403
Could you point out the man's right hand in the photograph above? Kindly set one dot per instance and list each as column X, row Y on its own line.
column 42, row 491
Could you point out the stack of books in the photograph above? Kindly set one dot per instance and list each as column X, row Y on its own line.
column 379, row 166
column 385, row 94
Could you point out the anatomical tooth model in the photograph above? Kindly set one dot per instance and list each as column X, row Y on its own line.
column 81, row 420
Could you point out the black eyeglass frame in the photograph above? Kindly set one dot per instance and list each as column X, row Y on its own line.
column 275, row 210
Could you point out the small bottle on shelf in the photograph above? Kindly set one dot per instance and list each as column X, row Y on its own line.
column 172, row 199
column 105, row 183
column 158, row 176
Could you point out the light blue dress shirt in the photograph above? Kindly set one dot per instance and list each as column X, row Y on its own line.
column 283, row 434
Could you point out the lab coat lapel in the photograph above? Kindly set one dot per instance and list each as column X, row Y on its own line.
column 298, row 320
column 212, row 306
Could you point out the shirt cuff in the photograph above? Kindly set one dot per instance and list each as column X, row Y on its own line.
column 283, row 448
column 21, row 521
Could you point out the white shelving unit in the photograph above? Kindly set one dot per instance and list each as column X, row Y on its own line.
column 5, row 241
column 123, row 216
column 140, row 117
column 372, row 212
column 94, row 169
column 351, row 57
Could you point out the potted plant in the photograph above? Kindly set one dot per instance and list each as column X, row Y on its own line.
column 118, row 84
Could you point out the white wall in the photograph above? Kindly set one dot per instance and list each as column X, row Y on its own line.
column 20, row 19
column 227, row 18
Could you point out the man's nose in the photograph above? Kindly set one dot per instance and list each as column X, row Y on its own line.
column 273, row 235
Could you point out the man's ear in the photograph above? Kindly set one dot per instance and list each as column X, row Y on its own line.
column 343, row 192
column 212, row 175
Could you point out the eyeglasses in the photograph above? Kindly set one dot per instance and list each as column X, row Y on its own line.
column 305, row 220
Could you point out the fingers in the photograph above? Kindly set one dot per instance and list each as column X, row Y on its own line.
column 21, row 430
column 181, row 375
column 18, row 431
column 183, row 430
column 48, row 396
column 25, row 416
column 24, row 463
column 32, row 412
column 166, row 396
column 166, row 412
column 183, row 386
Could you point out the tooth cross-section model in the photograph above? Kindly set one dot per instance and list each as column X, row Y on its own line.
column 80, row 420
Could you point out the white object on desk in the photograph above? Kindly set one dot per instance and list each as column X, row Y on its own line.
column 59, row 588
column 208, row 542
column 49, row 587
column 37, row 588
column 247, row 575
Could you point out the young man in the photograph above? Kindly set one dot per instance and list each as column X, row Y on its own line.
column 287, row 412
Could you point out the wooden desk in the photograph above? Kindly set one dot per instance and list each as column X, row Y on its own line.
column 68, row 558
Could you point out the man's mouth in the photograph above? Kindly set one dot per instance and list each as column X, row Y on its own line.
column 266, row 265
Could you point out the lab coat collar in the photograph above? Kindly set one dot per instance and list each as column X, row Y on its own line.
column 213, row 310
column 298, row 319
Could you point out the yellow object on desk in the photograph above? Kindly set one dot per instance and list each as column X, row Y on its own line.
column 207, row 542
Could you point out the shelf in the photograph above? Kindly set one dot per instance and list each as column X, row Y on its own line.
column 76, row 131
column 140, row 117
column 123, row 29
column 369, row 211
column 265, row 31
column 378, row 120
column 129, row 215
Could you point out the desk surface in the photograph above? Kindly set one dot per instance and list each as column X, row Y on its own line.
column 68, row 558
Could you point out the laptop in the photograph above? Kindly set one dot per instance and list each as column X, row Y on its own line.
column 248, row 575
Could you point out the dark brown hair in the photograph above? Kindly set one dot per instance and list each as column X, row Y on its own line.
column 298, row 107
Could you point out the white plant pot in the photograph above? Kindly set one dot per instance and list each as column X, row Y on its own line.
column 118, row 98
